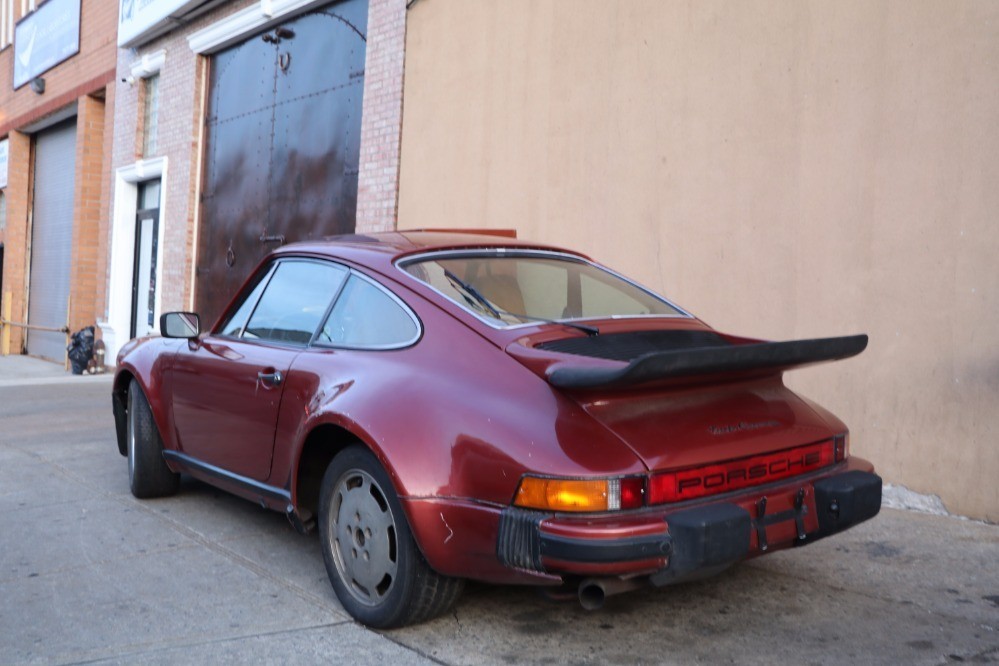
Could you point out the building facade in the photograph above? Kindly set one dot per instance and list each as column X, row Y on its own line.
column 57, row 64
column 241, row 126
column 784, row 169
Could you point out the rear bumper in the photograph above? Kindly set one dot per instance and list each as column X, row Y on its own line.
column 677, row 545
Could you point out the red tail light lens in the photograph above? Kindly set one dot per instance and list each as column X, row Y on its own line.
column 743, row 473
column 632, row 492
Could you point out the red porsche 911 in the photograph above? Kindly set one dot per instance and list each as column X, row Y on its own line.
column 452, row 406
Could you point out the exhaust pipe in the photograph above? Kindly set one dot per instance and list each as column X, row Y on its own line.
column 594, row 591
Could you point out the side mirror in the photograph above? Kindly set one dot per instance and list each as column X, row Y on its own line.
column 185, row 325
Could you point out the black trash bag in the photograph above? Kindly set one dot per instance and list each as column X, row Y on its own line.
column 81, row 349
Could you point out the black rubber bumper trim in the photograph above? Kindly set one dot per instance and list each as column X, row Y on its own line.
column 845, row 500
column 522, row 544
column 518, row 543
column 606, row 550
column 706, row 539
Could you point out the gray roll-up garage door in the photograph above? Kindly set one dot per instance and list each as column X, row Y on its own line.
column 51, row 239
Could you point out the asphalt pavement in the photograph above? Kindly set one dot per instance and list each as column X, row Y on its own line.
column 88, row 574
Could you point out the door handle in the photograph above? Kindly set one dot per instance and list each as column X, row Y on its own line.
column 270, row 378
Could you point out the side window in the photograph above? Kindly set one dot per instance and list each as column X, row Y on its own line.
column 295, row 301
column 237, row 321
column 367, row 317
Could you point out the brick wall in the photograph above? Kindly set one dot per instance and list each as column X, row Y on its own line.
column 103, row 250
column 182, row 87
column 82, row 79
column 86, row 72
column 181, row 113
column 381, row 122
column 15, row 264
column 88, row 204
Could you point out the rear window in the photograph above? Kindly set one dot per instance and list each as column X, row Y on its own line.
column 508, row 289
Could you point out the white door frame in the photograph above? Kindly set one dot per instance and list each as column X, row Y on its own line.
column 115, row 330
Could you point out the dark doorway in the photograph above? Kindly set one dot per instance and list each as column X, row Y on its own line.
column 283, row 143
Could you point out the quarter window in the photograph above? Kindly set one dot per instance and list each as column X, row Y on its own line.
column 366, row 317
column 294, row 301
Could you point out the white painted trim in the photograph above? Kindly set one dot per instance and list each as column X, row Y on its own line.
column 115, row 330
column 143, row 170
column 242, row 24
column 148, row 64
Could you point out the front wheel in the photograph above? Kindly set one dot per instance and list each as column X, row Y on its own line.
column 148, row 474
column 373, row 562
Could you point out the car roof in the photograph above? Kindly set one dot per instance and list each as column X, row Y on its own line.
column 379, row 250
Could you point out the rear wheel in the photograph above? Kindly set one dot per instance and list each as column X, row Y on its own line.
column 148, row 474
column 373, row 562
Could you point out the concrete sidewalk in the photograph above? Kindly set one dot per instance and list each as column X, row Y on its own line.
column 89, row 574
column 16, row 370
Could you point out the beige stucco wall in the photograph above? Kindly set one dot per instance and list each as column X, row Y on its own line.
column 783, row 169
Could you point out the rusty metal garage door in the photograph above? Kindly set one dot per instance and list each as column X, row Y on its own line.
column 283, row 141
column 51, row 239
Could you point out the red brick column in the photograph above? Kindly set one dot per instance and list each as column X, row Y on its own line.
column 86, row 281
column 381, row 117
column 16, row 240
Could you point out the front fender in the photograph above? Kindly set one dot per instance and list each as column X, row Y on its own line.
column 147, row 361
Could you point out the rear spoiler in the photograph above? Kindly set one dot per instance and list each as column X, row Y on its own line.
column 727, row 359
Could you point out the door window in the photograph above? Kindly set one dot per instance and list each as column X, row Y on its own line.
column 294, row 301
column 237, row 321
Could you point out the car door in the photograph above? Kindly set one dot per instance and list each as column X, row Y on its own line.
column 227, row 387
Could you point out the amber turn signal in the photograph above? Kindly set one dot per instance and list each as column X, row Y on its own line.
column 579, row 495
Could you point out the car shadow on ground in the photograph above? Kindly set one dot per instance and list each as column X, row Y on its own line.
column 832, row 602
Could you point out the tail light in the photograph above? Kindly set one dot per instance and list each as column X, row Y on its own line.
column 737, row 474
column 579, row 495
column 633, row 492
column 841, row 443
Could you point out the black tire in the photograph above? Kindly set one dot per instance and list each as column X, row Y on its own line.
column 373, row 562
column 148, row 474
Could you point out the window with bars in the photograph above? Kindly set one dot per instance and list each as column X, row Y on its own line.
column 150, row 114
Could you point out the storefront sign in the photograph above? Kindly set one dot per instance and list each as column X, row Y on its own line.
column 4, row 152
column 44, row 38
column 141, row 20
